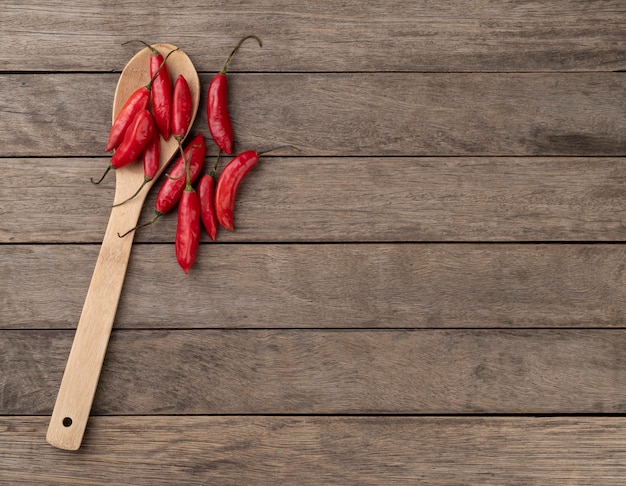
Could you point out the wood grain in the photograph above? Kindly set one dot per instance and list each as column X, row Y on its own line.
column 329, row 372
column 321, row 450
column 327, row 286
column 338, row 199
column 328, row 35
column 443, row 260
column 353, row 114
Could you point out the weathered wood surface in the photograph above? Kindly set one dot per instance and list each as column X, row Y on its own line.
column 328, row 35
column 327, row 286
column 443, row 259
column 338, row 199
column 340, row 114
column 206, row 372
column 321, row 450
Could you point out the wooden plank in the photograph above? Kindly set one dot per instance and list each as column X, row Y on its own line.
column 383, row 35
column 320, row 450
column 373, row 114
column 302, row 199
column 327, row 286
column 328, row 372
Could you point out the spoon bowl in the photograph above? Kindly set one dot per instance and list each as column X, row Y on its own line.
column 80, row 379
column 134, row 75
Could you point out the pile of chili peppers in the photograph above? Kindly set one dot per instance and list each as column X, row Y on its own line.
column 160, row 110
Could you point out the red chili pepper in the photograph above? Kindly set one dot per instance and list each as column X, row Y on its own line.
column 174, row 184
column 206, row 194
column 217, row 105
column 151, row 157
column 136, row 102
column 188, row 228
column 161, row 94
column 136, row 139
column 228, row 183
column 182, row 107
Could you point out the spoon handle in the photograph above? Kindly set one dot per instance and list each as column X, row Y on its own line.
column 82, row 372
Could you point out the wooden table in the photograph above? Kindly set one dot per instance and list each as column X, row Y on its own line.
column 432, row 291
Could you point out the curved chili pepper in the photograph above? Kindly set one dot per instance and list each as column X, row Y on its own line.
column 182, row 108
column 228, row 183
column 217, row 105
column 136, row 138
column 188, row 229
column 136, row 102
column 174, row 184
column 161, row 94
column 206, row 194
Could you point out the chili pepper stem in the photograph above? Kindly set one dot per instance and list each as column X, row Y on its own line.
column 156, row 73
column 225, row 68
column 179, row 140
column 184, row 159
column 145, row 181
column 153, row 220
column 217, row 162
column 187, row 162
column 103, row 175
column 154, row 51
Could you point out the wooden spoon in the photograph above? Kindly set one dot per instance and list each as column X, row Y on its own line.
column 78, row 386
